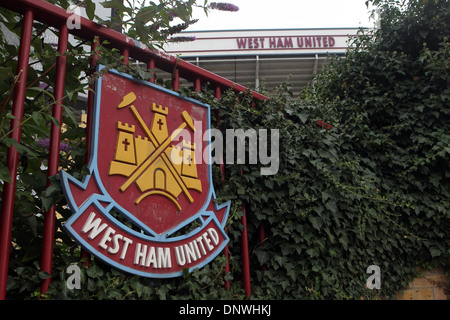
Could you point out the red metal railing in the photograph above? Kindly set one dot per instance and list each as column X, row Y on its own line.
column 57, row 17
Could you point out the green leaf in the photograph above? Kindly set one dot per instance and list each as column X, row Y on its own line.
column 331, row 205
column 435, row 252
column 4, row 173
column 90, row 9
column 91, row 284
column 162, row 293
column 5, row 73
column 37, row 117
column 19, row 147
column 146, row 14
column 241, row 190
column 94, row 272
column 303, row 117
column 117, row 4
column 50, row 190
column 71, row 115
column 182, row 12
column 326, row 194
column 312, row 252
column 69, row 95
column 48, row 93
column 262, row 256
column 317, row 223
column 48, row 202
column 55, row 121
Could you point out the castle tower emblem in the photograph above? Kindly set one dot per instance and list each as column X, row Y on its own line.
column 159, row 123
column 147, row 161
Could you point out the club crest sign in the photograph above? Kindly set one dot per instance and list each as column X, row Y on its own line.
column 147, row 207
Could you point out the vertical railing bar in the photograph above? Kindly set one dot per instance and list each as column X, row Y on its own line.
column 53, row 161
column 218, row 96
column 245, row 253
column 125, row 56
column 226, row 250
column 261, row 233
column 176, row 80
column 198, row 85
column 151, row 66
column 12, row 156
column 244, row 245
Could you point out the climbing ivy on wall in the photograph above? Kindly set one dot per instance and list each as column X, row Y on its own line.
column 363, row 179
column 374, row 189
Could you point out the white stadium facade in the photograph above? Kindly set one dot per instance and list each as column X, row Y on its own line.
column 256, row 58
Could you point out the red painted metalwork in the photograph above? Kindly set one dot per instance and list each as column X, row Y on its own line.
column 125, row 56
column 226, row 251
column 245, row 254
column 175, row 80
column 13, row 156
column 198, row 85
column 261, row 234
column 53, row 161
column 151, row 66
column 52, row 15
column 218, row 95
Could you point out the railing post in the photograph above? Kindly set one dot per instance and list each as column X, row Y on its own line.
column 245, row 254
column 53, row 161
column 151, row 66
column 226, row 250
column 197, row 85
column 13, row 156
column 176, row 80
column 125, row 56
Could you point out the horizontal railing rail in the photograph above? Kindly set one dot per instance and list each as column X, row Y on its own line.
column 55, row 16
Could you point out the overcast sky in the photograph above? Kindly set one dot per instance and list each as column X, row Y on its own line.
column 279, row 14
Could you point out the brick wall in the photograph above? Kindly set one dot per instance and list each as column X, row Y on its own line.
column 434, row 285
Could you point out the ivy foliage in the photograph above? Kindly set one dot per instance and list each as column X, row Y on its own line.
column 391, row 106
column 363, row 178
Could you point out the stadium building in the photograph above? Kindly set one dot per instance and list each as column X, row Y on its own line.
column 256, row 58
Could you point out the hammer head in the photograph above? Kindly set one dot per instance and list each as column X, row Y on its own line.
column 127, row 100
column 187, row 118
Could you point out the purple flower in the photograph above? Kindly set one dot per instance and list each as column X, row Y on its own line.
column 43, row 85
column 223, row 6
column 45, row 143
column 64, row 147
column 172, row 15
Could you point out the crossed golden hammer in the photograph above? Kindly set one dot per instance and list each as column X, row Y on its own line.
column 126, row 101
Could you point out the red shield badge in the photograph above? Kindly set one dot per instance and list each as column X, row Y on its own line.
column 147, row 206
